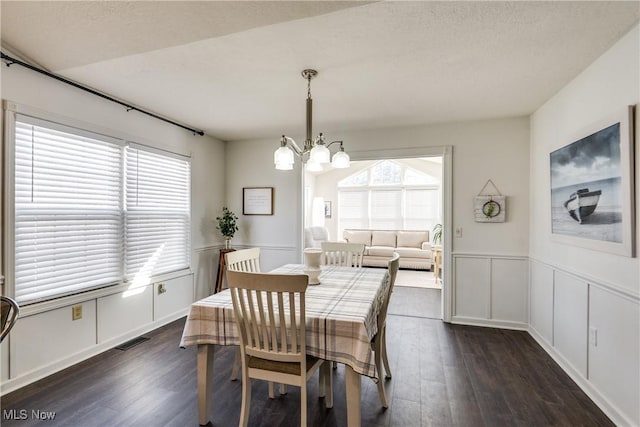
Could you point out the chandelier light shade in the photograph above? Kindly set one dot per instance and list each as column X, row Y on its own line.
column 319, row 154
column 283, row 158
column 315, row 152
column 340, row 160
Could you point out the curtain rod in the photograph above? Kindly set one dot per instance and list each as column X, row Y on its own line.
column 11, row 61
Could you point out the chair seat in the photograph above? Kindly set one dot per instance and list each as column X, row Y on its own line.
column 291, row 368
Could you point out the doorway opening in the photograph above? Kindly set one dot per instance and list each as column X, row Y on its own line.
column 396, row 198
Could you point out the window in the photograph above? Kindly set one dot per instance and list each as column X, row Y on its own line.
column 386, row 173
column 389, row 195
column 386, row 212
column 157, row 214
column 354, row 211
column 78, row 226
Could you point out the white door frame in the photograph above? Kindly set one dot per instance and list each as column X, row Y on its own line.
column 447, row 199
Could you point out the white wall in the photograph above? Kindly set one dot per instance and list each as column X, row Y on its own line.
column 28, row 88
column 574, row 289
column 250, row 164
column 491, row 149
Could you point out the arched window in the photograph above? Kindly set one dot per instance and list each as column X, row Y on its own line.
column 389, row 195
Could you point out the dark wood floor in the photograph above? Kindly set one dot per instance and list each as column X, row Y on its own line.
column 443, row 375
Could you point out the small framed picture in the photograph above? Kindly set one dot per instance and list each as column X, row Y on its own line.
column 257, row 201
column 327, row 209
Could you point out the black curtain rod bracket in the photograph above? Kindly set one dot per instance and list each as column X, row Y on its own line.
column 10, row 61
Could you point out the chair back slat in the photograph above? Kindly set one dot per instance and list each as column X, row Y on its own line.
column 263, row 325
column 272, row 322
column 283, row 321
column 342, row 254
column 294, row 325
column 255, row 326
column 269, row 310
column 240, row 305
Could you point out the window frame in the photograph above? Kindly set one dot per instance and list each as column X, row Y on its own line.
column 7, row 252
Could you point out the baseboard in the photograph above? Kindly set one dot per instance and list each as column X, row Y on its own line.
column 587, row 387
column 489, row 323
column 42, row 372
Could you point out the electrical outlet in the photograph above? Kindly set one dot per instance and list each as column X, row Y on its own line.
column 76, row 312
column 458, row 231
column 593, row 336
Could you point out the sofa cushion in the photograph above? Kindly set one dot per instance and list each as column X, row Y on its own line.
column 412, row 239
column 385, row 251
column 383, row 238
column 413, row 253
column 358, row 236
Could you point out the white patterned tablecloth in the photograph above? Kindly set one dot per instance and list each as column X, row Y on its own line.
column 341, row 316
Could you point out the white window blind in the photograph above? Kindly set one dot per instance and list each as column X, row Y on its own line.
column 421, row 209
column 157, row 231
column 68, row 225
column 353, row 210
column 386, row 209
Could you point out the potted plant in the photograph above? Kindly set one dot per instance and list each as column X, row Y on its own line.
column 227, row 225
column 437, row 234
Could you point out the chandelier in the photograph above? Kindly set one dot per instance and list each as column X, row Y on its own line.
column 317, row 149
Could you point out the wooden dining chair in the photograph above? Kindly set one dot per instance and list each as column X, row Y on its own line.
column 247, row 260
column 379, row 342
column 9, row 310
column 269, row 310
column 342, row 253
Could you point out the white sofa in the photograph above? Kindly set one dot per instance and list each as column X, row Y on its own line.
column 413, row 246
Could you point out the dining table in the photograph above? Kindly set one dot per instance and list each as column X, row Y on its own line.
column 341, row 316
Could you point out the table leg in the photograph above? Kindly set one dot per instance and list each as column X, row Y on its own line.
column 205, row 372
column 354, row 388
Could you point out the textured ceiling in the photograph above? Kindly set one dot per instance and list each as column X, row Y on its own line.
column 233, row 68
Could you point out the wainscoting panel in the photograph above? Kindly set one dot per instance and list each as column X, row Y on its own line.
column 172, row 296
column 509, row 291
column 472, row 287
column 275, row 256
column 570, row 307
column 44, row 338
column 614, row 354
column 490, row 290
column 120, row 313
column 541, row 301
column 595, row 336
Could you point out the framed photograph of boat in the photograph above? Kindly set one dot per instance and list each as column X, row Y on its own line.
column 592, row 187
